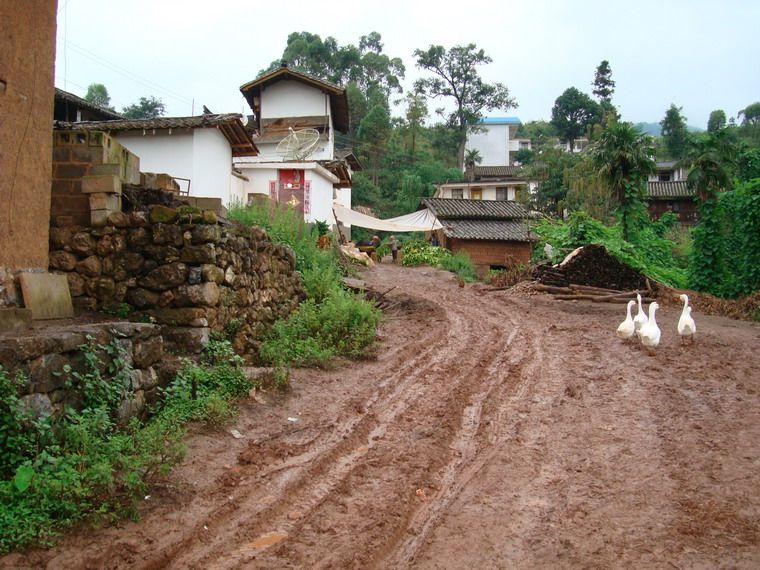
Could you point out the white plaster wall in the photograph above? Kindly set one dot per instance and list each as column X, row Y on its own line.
column 288, row 98
column 258, row 181
column 321, row 199
column 343, row 196
column 212, row 165
column 492, row 144
column 161, row 152
column 202, row 155
column 237, row 190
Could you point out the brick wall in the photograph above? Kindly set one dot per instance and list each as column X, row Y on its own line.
column 484, row 253
column 82, row 162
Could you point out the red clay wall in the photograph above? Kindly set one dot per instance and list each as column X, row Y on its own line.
column 27, row 53
column 487, row 253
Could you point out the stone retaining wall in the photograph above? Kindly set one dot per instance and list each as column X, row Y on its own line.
column 183, row 270
column 43, row 355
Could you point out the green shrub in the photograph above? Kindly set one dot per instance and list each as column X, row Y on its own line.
column 59, row 470
column 331, row 322
column 420, row 252
column 341, row 325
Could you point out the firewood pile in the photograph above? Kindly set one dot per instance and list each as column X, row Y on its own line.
column 576, row 292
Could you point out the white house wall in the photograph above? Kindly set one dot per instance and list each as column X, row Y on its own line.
column 212, row 165
column 492, row 144
column 162, row 152
column 202, row 155
column 321, row 199
column 290, row 98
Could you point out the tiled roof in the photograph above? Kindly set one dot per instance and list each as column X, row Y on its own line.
column 500, row 230
column 461, row 209
column 481, row 172
column 229, row 124
column 84, row 103
column 669, row 190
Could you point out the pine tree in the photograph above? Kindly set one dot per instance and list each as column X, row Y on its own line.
column 603, row 84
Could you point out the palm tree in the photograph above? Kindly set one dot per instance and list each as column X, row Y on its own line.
column 711, row 159
column 622, row 157
column 471, row 158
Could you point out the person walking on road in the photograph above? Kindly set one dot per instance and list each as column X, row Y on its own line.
column 394, row 247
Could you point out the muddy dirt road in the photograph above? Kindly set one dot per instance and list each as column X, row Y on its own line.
column 492, row 431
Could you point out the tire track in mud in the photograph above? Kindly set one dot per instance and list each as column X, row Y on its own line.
column 332, row 466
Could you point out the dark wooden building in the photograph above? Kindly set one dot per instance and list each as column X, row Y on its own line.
column 672, row 196
column 491, row 232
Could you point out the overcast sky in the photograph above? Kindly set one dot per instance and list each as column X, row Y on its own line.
column 701, row 55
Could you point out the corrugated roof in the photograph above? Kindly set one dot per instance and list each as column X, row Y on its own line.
column 228, row 123
column 462, row 209
column 668, row 190
column 338, row 98
column 500, row 121
column 500, row 230
column 84, row 103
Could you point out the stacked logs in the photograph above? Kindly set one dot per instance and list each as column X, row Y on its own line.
column 576, row 292
column 591, row 266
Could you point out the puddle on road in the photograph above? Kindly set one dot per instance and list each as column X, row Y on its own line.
column 268, row 539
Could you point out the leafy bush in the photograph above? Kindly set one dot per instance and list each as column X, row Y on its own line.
column 419, row 252
column 331, row 322
column 341, row 325
column 59, row 470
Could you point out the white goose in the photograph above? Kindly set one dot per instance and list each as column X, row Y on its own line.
column 626, row 329
column 650, row 332
column 641, row 318
column 686, row 325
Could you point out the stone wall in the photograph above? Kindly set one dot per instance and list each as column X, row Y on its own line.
column 183, row 270
column 43, row 355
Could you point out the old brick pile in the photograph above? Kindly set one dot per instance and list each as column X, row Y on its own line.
column 183, row 270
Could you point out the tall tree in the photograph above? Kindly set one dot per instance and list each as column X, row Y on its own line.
column 145, row 108
column 373, row 133
column 711, row 159
column 675, row 134
column 457, row 77
column 751, row 114
column 97, row 94
column 573, row 113
column 416, row 113
column 603, row 84
column 716, row 121
column 623, row 157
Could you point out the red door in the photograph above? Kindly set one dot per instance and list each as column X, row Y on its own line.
column 291, row 189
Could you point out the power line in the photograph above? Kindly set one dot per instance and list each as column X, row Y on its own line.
column 126, row 73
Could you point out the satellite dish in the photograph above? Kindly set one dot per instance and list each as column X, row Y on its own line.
column 298, row 144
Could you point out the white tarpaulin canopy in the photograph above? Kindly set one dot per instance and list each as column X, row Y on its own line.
column 419, row 221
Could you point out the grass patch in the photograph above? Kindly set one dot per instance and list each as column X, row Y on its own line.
column 419, row 252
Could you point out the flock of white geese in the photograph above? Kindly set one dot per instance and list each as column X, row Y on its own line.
column 645, row 327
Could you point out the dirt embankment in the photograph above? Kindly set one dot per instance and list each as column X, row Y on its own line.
column 493, row 431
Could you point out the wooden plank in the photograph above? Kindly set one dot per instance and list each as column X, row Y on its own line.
column 46, row 295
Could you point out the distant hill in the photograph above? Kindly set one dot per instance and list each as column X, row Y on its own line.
column 654, row 128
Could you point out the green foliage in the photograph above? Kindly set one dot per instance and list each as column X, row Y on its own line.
column 604, row 86
column 573, row 113
column 648, row 251
column 419, row 252
column 729, row 222
column 145, row 108
column 57, row 470
column 461, row 264
column 748, row 164
column 97, row 94
column 717, row 121
column 331, row 322
column 675, row 133
column 340, row 325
